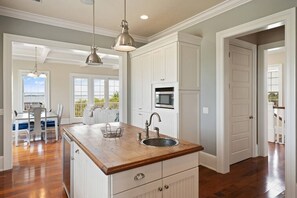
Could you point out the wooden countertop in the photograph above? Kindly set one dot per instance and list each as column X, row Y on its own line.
column 114, row 155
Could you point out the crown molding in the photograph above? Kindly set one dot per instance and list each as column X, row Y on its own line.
column 18, row 14
column 207, row 14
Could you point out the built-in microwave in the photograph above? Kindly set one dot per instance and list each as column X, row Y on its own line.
column 164, row 97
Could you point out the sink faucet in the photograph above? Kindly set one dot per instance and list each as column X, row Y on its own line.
column 147, row 124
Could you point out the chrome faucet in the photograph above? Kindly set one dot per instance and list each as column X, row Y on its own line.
column 147, row 124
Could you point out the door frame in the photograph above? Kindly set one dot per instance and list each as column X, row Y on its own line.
column 287, row 18
column 262, row 97
column 8, row 39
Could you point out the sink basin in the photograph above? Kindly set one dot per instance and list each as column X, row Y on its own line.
column 160, row 142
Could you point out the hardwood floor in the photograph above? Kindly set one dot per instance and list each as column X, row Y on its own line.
column 253, row 178
column 36, row 173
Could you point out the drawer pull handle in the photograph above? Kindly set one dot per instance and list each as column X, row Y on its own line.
column 160, row 188
column 139, row 176
column 166, row 186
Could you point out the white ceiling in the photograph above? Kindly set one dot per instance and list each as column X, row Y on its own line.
column 109, row 13
column 47, row 54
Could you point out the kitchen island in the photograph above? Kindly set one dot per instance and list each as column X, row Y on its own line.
column 123, row 167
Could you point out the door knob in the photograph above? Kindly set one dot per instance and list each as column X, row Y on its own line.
column 251, row 117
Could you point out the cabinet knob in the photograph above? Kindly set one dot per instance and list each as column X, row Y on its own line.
column 72, row 158
column 166, row 186
column 251, row 117
column 139, row 176
column 77, row 151
column 160, row 189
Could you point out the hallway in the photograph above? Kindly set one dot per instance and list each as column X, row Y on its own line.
column 251, row 178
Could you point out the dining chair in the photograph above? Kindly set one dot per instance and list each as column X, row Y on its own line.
column 51, row 123
column 36, row 128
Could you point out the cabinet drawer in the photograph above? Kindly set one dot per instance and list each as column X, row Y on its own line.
column 178, row 164
column 138, row 176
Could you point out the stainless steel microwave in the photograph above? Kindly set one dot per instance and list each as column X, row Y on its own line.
column 164, row 97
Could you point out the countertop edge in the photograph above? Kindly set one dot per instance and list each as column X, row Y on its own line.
column 116, row 169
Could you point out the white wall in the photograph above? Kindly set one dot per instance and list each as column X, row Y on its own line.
column 59, row 81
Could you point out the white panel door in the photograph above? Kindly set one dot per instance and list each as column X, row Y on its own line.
column 182, row 185
column 240, row 104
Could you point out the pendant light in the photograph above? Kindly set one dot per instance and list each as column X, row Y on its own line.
column 34, row 73
column 124, row 42
column 93, row 58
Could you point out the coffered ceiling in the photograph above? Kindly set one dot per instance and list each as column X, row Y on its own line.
column 162, row 13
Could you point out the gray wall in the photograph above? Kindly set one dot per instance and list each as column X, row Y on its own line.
column 37, row 30
column 207, row 30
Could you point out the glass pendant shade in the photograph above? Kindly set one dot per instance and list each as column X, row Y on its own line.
column 93, row 58
column 124, row 42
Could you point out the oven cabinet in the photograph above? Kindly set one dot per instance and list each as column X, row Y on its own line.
column 88, row 180
column 165, row 64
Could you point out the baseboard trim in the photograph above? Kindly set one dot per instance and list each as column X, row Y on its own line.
column 208, row 160
column 65, row 121
column 1, row 163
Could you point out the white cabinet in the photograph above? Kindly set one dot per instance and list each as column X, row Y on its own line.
column 165, row 63
column 180, row 179
column 184, row 184
column 168, row 124
column 88, row 180
column 141, row 79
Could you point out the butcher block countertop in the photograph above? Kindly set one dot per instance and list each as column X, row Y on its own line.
column 114, row 155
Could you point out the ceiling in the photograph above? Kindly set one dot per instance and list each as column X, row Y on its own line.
column 47, row 54
column 109, row 13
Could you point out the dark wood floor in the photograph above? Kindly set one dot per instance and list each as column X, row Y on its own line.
column 37, row 173
column 253, row 178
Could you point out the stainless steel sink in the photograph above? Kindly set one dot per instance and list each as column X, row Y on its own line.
column 160, row 142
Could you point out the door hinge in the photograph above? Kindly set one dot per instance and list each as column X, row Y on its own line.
column 229, row 54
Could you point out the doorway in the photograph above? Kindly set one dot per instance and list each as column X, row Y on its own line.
column 287, row 18
column 8, row 40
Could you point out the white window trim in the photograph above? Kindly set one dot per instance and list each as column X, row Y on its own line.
column 19, row 106
column 74, row 119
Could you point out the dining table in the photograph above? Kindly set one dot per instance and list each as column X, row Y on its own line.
column 24, row 117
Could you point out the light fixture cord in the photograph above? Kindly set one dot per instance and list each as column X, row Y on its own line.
column 125, row 10
column 94, row 23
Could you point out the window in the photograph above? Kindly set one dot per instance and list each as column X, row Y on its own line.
column 99, row 98
column 80, row 95
column 114, row 88
column 98, row 90
column 273, row 87
column 34, row 92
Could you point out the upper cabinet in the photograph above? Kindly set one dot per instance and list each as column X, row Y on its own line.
column 165, row 64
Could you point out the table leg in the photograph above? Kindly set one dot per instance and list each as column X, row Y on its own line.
column 16, row 133
column 56, row 129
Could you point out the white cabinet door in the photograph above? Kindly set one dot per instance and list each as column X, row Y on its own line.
column 168, row 124
column 159, row 65
column 89, row 180
column 139, row 118
column 165, row 64
column 79, row 173
column 170, row 52
column 184, row 184
column 146, row 66
column 136, row 83
column 151, row 190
